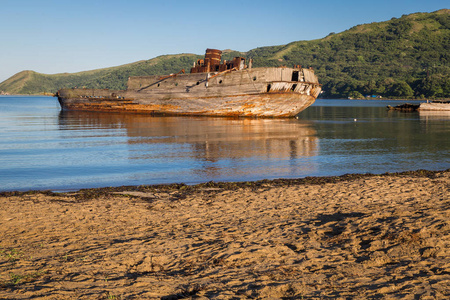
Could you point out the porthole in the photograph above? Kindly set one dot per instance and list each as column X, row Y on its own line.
column 220, row 81
column 198, row 82
column 159, row 84
column 254, row 78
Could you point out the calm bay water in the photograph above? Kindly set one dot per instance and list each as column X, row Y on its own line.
column 44, row 148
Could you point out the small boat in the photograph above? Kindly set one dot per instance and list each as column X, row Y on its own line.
column 436, row 105
column 213, row 88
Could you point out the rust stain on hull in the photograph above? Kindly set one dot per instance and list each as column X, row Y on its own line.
column 274, row 104
column 112, row 106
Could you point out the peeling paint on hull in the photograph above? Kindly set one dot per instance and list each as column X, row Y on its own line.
column 258, row 105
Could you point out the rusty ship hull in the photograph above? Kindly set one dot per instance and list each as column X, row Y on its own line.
column 218, row 89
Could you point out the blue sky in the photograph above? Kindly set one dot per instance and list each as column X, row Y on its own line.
column 56, row 36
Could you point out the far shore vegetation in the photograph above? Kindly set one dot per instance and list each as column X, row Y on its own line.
column 403, row 58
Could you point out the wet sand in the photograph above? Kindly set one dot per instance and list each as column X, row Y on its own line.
column 350, row 237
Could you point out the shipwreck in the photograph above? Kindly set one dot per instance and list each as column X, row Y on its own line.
column 212, row 88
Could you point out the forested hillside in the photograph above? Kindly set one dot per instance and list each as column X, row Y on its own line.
column 405, row 57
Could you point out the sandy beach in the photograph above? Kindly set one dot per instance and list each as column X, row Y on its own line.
column 349, row 237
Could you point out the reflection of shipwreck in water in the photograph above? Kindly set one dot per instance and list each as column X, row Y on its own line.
column 209, row 140
column 434, row 115
column 263, row 138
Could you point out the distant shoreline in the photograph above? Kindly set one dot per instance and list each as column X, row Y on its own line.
column 27, row 95
column 366, row 99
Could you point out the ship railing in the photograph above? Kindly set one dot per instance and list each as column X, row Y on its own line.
column 221, row 73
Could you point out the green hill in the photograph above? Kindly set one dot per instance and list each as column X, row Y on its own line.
column 30, row 82
column 407, row 57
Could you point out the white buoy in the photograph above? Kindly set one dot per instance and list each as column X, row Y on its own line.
column 355, row 120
